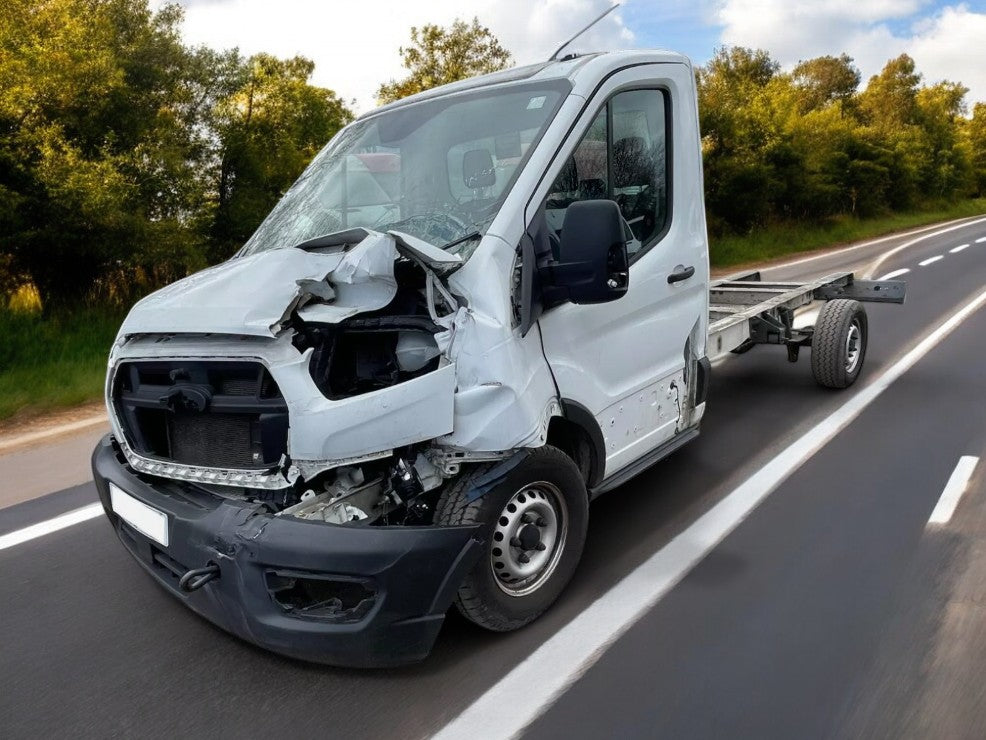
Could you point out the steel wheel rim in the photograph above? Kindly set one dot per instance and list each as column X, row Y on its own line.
column 536, row 509
column 853, row 346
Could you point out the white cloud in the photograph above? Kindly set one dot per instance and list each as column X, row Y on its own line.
column 953, row 46
column 947, row 44
column 355, row 44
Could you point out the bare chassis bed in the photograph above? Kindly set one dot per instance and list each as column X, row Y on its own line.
column 744, row 310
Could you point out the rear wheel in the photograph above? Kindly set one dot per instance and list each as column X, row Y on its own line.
column 535, row 523
column 838, row 344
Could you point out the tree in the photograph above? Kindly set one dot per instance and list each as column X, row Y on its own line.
column 825, row 80
column 98, row 146
column 976, row 135
column 128, row 159
column 437, row 56
column 890, row 99
column 947, row 163
column 269, row 128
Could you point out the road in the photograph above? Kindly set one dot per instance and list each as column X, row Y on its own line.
column 832, row 608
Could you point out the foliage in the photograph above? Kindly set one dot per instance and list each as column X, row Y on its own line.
column 270, row 127
column 115, row 139
column 437, row 56
column 809, row 146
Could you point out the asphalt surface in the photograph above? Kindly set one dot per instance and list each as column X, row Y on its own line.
column 831, row 611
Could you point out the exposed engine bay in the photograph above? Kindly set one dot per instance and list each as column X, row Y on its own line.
column 376, row 349
column 341, row 381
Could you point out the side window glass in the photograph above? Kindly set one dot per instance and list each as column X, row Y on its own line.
column 585, row 175
column 623, row 157
column 638, row 154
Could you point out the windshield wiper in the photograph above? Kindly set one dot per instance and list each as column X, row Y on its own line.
column 456, row 242
column 335, row 239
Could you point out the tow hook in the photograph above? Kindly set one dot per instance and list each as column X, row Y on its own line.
column 196, row 578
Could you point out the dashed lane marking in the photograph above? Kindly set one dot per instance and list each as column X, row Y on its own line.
column 957, row 483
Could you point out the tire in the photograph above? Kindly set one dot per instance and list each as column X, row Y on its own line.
column 838, row 344
column 495, row 595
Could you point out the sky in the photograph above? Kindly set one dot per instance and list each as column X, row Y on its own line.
column 355, row 44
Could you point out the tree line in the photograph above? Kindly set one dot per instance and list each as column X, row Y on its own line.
column 809, row 144
column 129, row 159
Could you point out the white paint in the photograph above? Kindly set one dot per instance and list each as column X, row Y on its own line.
column 518, row 698
column 31, row 437
column 910, row 243
column 931, row 260
column 956, row 250
column 51, row 525
column 145, row 519
column 957, row 483
column 896, row 273
column 981, row 239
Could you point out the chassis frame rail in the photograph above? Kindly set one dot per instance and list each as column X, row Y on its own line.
column 745, row 310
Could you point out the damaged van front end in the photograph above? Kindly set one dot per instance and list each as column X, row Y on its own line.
column 285, row 424
column 292, row 415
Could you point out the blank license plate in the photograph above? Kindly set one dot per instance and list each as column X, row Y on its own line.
column 140, row 516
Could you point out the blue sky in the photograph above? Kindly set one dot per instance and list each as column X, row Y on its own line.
column 355, row 45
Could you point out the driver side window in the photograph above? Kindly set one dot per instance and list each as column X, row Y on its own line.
column 622, row 157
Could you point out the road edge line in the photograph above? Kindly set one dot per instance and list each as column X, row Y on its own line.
column 31, row 437
column 62, row 521
column 875, row 265
column 539, row 680
column 832, row 252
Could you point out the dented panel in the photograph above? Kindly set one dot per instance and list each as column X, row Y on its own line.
column 355, row 388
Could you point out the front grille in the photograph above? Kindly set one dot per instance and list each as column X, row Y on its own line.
column 201, row 413
column 212, row 440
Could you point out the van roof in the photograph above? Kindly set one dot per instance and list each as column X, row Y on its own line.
column 593, row 66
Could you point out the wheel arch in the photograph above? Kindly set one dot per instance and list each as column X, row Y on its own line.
column 576, row 433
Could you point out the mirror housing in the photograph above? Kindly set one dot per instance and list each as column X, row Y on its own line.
column 592, row 265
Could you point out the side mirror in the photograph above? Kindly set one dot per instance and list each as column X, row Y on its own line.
column 592, row 266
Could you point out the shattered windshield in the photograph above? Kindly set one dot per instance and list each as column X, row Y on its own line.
column 438, row 170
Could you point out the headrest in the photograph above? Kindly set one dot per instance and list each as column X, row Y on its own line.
column 478, row 170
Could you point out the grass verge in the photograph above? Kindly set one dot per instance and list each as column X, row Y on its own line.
column 785, row 239
column 53, row 362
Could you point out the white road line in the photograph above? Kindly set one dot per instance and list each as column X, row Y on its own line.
column 896, row 273
column 861, row 245
column 981, row 239
column 956, row 250
column 931, row 260
column 826, row 253
column 954, row 489
column 525, row 692
column 890, row 252
column 51, row 525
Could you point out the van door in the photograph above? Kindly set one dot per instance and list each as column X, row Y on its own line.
column 625, row 361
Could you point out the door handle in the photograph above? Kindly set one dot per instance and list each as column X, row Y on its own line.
column 680, row 273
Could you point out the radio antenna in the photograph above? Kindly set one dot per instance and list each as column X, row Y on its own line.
column 606, row 12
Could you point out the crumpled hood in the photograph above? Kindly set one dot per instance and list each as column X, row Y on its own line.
column 253, row 295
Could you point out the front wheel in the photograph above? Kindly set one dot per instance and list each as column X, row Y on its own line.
column 535, row 522
column 838, row 344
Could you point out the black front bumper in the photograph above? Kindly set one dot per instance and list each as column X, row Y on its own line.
column 412, row 573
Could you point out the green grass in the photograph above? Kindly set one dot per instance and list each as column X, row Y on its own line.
column 53, row 362
column 784, row 239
